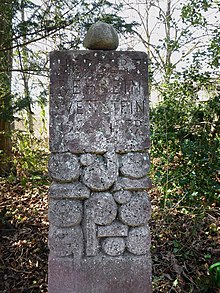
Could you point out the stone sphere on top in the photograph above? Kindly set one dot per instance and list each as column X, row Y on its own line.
column 101, row 36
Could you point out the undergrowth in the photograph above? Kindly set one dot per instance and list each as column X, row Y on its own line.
column 186, row 147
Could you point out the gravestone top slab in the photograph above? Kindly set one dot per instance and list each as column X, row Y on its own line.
column 98, row 101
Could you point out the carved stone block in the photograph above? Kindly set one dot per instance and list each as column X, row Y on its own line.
column 114, row 230
column 90, row 230
column 98, row 99
column 122, row 196
column 136, row 212
column 113, row 246
column 135, row 165
column 124, row 183
column 64, row 167
column 75, row 190
column 65, row 213
column 104, row 274
column 138, row 240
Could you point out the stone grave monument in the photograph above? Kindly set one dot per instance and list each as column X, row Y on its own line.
column 99, row 237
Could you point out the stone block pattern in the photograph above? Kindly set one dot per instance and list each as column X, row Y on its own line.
column 98, row 203
column 83, row 201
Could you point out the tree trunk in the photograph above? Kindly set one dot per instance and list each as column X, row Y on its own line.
column 5, row 85
column 24, row 64
column 169, row 50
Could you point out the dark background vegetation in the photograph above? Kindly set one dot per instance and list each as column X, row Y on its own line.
column 185, row 222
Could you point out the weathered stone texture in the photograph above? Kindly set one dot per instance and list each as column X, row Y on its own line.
column 104, row 206
column 138, row 240
column 98, row 100
column 87, row 159
column 75, row 190
column 124, row 183
column 66, row 241
column 135, row 165
column 90, row 230
column 65, row 213
column 64, row 167
column 122, row 196
column 136, row 212
column 113, row 246
column 102, row 173
column 99, row 209
column 113, row 230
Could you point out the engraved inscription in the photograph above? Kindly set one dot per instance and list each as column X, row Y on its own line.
column 127, row 107
column 103, row 100
column 101, row 85
column 124, row 107
column 76, row 86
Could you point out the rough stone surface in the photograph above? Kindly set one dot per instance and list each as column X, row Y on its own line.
column 101, row 36
column 100, row 209
column 75, row 190
column 64, row 167
column 114, row 246
column 116, row 229
column 122, row 196
column 124, row 183
column 65, row 213
column 102, row 173
column 66, row 241
column 135, row 165
column 136, row 212
column 87, row 159
column 98, row 100
column 105, row 208
column 90, row 230
column 138, row 240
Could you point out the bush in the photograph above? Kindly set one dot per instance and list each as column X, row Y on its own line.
column 185, row 146
column 30, row 157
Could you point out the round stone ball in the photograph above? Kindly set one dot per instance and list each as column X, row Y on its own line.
column 101, row 36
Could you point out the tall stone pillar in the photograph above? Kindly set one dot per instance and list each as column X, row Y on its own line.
column 99, row 237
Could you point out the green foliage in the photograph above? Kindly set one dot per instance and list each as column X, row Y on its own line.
column 186, row 145
column 185, row 130
column 30, row 157
column 214, row 49
column 215, row 273
column 192, row 12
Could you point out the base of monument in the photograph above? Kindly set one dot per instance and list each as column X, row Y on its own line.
column 100, row 275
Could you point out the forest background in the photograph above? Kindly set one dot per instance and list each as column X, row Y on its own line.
column 182, row 41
